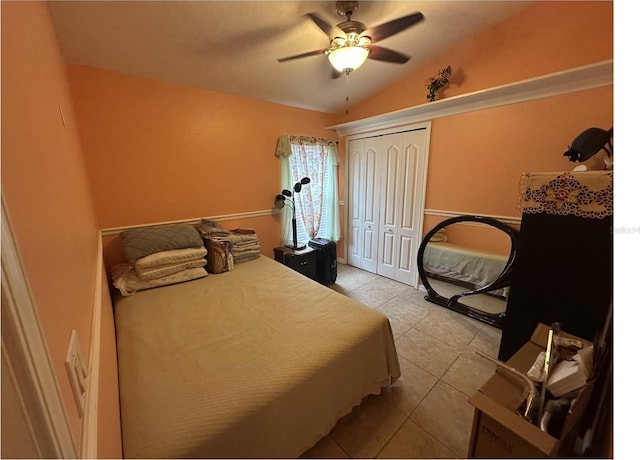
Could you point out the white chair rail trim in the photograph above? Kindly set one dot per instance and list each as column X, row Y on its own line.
column 505, row 219
column 221, row 218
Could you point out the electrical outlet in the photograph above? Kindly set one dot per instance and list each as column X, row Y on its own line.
column 76, row 371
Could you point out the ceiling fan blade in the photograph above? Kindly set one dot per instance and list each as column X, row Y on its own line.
column 390, row 28
column 298, row 56
column 379, row 53
column 331, row 31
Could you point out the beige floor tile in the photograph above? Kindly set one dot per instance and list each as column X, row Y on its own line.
column 449, row 326
column 350, row 278
column 398, row 328
column 339, row 288
column 365, row 431
column 410, row 389
column 425, row 414
column 325, row 448
column 487, row 339
column 468, row 373
column 417, row 296
column 447, row 416
column 374, row 294
column 403, row 310
column 411, row 441
column 425, row 351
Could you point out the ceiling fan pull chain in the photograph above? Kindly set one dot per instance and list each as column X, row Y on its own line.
column 347, row 96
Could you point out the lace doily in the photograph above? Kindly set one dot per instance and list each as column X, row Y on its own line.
column 586, row 194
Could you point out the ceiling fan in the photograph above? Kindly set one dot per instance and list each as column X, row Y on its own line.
column 350, row 42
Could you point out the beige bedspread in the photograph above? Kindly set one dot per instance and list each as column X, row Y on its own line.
column 256, row 362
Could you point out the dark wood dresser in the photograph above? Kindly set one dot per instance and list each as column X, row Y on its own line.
column 563, row 269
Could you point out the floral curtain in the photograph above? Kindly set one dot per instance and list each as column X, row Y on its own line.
column 312, row 157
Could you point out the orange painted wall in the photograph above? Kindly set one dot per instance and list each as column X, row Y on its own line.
column 159, row 152
column 546, row 37
column 46, row 191
column 476, row 158
column 45, row 187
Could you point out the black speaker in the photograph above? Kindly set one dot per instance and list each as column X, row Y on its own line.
column 326, row 260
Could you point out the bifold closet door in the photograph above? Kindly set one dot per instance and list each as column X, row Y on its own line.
column 401, row 182
column 363, row 207
column 386, row 187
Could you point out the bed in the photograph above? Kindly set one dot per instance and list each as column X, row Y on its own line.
column 259, row 361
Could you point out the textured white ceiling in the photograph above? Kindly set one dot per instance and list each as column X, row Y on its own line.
column 233, row 46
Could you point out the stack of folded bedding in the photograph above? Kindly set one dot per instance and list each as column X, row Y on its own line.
column 245, row 244
column 228, row 247
column 159, row 256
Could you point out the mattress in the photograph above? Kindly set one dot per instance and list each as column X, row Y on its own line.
column 259, row 361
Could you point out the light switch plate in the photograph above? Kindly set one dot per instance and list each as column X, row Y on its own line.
column 76, row 371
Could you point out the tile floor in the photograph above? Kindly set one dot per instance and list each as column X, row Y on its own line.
column 425, row 414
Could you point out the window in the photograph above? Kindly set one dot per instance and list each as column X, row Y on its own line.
column 316, row 203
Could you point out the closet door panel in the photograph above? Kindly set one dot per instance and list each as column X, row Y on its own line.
column 409, row 179
column 405, row 261
column 391, row 164
column 356, row 238
column 355, row 246
column 388, row 183
column 370, row 208
column 410, row 214
column 387, row 250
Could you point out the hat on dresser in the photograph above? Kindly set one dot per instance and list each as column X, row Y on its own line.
column 588, row 143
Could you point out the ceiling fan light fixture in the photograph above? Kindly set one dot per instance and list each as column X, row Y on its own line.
column 348, row 58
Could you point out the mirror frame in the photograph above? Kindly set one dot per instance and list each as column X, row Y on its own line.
column 503, row 279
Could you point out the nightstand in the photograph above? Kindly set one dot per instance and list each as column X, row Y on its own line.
column 303, row 260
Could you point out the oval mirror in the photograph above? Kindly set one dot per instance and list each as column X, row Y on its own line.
column 465, row 265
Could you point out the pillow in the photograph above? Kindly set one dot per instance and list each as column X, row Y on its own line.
column 128, row 283
column 439, row 236
column 167, row 269
column 140, row 242
column 219, row 255
column 210, row 224
column 158, row 259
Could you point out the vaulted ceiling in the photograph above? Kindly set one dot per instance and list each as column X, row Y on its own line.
column 233, row 46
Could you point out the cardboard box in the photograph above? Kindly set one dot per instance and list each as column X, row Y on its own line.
column 499, row 431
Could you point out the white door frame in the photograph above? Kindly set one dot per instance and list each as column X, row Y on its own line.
column 366, row 134
column 25, row 350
